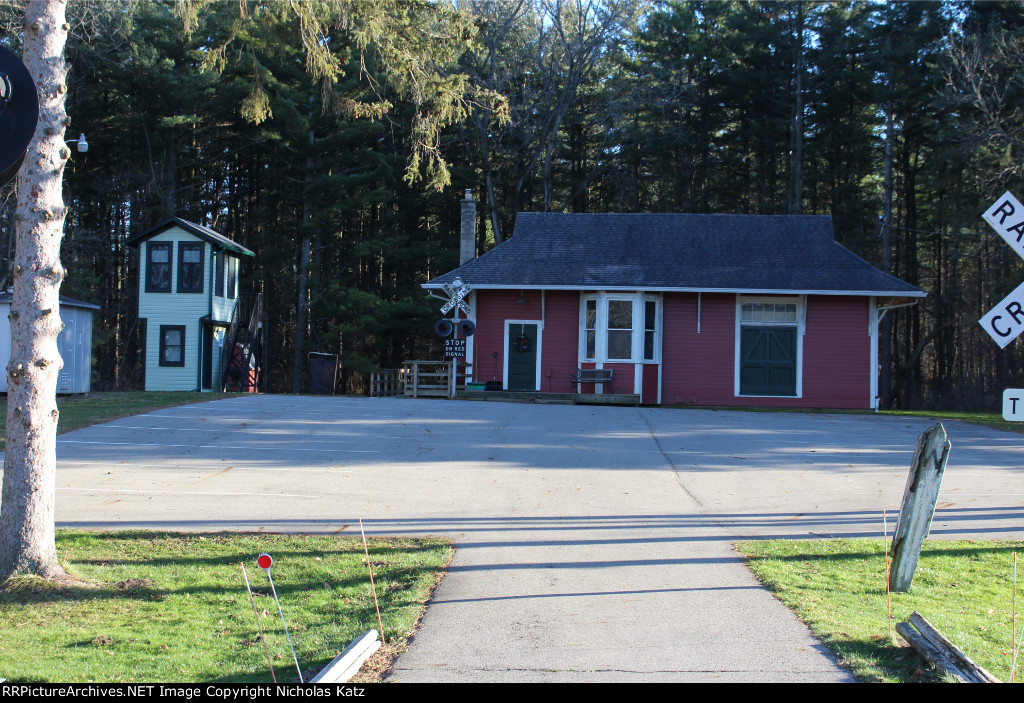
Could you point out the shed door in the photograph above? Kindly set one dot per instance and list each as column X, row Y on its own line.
column 66, row 348
column 768, row 361
column 521, row 353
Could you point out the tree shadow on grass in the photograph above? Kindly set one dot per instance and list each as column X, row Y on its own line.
column 115, row 575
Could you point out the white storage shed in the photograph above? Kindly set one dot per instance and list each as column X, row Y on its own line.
column 74, row 344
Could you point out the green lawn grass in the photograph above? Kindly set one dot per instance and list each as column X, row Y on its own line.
column 78, row 411
column 173, row 608
column 987, row 418
column 166, row 607
column 837, row 587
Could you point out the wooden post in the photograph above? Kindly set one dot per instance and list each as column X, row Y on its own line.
column 918, row 507
column 933, row 646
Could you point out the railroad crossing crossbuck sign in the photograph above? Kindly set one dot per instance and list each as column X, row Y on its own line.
column 456, row 293
column 1005, row 321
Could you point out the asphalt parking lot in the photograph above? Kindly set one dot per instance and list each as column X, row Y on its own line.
column 594, row 542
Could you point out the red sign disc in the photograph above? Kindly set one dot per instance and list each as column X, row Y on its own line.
column 264, row 561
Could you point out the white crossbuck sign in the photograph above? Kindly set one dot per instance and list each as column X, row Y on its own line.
column 456, row 294
column 1005, row 321
column 1006, row 217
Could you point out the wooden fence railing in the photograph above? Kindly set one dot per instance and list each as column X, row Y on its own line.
column 385, row 382
column 424, row 378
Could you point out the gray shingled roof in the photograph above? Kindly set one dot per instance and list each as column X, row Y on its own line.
column 730, row 253
column 7, row 297
column 212, row 236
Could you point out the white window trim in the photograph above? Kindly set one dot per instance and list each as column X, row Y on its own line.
column 601, row 328
column 873, row 369
column 801, row 325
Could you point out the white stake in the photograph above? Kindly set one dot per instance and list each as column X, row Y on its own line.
column 265, row 561
column 255, row 612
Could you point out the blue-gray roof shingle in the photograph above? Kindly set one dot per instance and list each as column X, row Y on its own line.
column 733, row 253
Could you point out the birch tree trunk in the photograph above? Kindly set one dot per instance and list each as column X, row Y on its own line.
column 29, row 476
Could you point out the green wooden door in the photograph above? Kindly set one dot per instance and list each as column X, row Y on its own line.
column 768, row 360
column 522, row 357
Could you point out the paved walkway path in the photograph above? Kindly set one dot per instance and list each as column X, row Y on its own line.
column 594, row 542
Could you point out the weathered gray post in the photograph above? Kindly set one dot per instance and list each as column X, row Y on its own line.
column 918, row 508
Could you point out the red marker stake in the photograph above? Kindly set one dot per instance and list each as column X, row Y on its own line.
column 265, row 561
column 255, row 612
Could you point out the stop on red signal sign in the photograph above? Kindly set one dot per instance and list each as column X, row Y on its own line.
column 264, row 561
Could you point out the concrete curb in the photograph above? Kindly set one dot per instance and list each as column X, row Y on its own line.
column 345, row 665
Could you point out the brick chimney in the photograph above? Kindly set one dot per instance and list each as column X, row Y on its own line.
column 467, row 241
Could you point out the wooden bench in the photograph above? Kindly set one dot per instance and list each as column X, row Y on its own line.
column 592, row 376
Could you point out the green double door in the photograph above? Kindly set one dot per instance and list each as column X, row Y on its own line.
column 521, row 352
column 768, row 360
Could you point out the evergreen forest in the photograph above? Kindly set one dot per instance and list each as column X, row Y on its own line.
column 904, row 121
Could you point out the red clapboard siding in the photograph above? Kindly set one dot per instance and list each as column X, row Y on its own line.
column 699, row 368
column 837, row 349
column 623, row 380
column 492, row 309
column 649, row 387
column 561, row 341
column 558, row 337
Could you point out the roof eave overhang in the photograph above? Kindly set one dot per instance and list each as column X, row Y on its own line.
column 690, row 289
column 890, row 301
column 226, row 245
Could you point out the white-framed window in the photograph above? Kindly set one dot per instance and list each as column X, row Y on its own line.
column 769, row 346
column 619, row 336
column 620, row 327
column 651, row 326
column 768, row 312
column 589, row 350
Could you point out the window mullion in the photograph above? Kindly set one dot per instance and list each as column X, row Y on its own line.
column 636, row 354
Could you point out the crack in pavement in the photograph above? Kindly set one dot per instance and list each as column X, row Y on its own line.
column 668, row 459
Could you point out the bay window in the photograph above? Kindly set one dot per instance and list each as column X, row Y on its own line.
column 620, row 327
